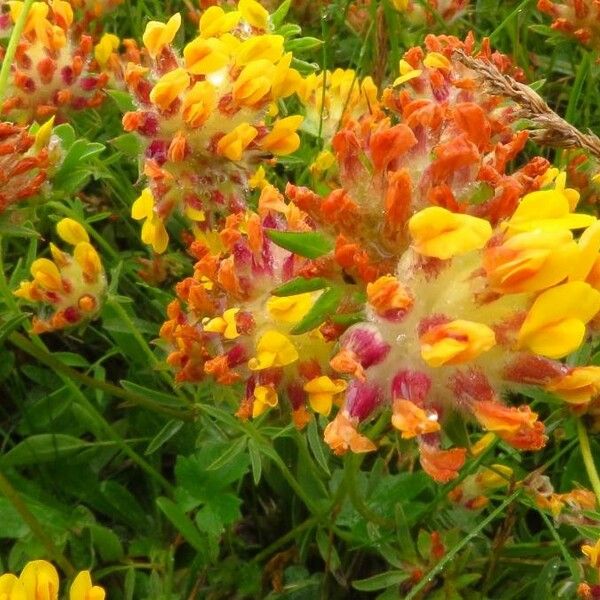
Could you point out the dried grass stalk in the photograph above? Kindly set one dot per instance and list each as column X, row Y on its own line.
column 548, row 128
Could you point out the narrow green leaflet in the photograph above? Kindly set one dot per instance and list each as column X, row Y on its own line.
column 309, row 244
column 323, row 308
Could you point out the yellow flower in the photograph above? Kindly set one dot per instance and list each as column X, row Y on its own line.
column 531, row 261
column 482, row 443
column 555, row 324
column 592, row 553
column 215, row 21
column 105, row 47
column 89, row 261
column 548, row 210
column 63, row 13
column 157, row 35
column 71, row 231
column 153, row 229
column 267, row 47
column 43, row 134
column 11, row 588
column 233, row 144
column 283, row 138
column 456, row 342
column 253, row 13
column 258, row 179
column 253, row 84
column 265, row 397
column 412, row 74
column 168, row 87
column 411, row 420
column 273, row 350
column 285, row 81
column 289, row 309
column 495, row 476
column 46, row 274
column 40, row 580
column 589, row 247
column 224, row 325
column 82, row 588
column 435, row 60
column 579, row 386
column 324, row 160
column 323, row 391
column 439, row 233
column 204, row 56
column 199, row 103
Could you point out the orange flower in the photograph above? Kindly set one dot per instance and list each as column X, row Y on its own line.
column 388, row 296
column 517, row 426
column 341, row 435
column 578, row 387
column 442, row 465
column 411, row 420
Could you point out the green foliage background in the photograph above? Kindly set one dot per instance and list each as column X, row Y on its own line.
column 165, row 494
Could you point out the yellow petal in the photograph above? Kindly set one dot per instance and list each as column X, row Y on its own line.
column 439, row 233
column 71, row 231
column 555, row 324
column 254, row 14
column 40, row 580
column 46, row 274
column 168, row 88
column 143, row 207
column 157, row 35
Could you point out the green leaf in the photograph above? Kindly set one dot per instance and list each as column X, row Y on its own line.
column 327, row 549
column 324, row 307
column 309, row 244
column 303, row 44
column 229, row 455
column 380, row 581
column 316, row 446
column 123, row 100
column 300, row 285
column 9, row 326
column 182, row 523
column 128, row 143
column 45, row 447
column 164, row 435
column 280, row 14
column 255, row 461
column 107, row 543
column 155, row 395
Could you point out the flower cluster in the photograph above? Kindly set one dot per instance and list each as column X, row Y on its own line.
column 39, row 579
column 25, row 158
column 577, row 18
column 69, row 288
column 53, row 71
column 207, row 116
column 475, row 281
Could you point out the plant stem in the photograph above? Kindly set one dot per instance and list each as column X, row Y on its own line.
column 13, row 496
column 588, row 459
column 47, row 359
column 449, row 557
column 11, row 49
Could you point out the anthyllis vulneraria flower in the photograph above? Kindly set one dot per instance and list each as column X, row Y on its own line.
column 476, row 282
column 445, row 143
column 69, row 288
column 207, row 116
column 227, row 326
column 52, row 72
column 39, row 579
column 25, row 159
column 577, row 18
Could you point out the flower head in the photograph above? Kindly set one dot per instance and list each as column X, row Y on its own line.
column 70, row 287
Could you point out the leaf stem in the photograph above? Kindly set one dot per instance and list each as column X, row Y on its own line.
column 588, row 459
column 11, row 49
column 449, row 557
column 13, row 496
